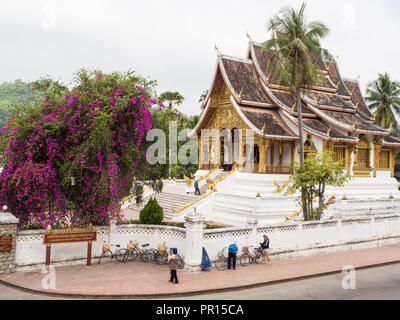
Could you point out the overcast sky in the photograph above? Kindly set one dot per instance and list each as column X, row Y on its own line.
column 173, row 41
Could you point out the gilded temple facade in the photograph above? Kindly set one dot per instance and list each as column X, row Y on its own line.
column 335, row 117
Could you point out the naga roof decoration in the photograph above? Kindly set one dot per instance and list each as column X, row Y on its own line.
column 333, row 110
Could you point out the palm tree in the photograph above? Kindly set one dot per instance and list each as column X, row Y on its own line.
column 293, row 61
column 173, row 98
column 295, row 51
column 384, row 98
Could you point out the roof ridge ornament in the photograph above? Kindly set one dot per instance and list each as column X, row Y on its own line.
column 240, row 93
column 216, row 48
column 333, row 62
column 356, row 106
column 248, row 36
column 354, row 124
column 390, row 127
column 293, row 106
column 263, row 128
column 328, row 133
column 358, row 78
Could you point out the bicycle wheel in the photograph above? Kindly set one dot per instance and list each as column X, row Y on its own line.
column 147, row 256
column 152, row 254
column 245, row 259
column 258, row 258
column 161, row 258
column 119, row 255
column 221, row 263
column 181, row 262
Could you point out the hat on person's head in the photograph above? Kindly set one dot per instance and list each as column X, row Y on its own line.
column 174, row 250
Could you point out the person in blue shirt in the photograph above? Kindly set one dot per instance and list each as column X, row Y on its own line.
column 196, row 188
column 232, row 251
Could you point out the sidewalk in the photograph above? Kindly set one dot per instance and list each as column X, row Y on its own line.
column 142, row 280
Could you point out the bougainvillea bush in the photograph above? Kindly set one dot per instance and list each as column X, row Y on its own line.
column 73, row 157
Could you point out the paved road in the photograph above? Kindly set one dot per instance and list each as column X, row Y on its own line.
column 379, row 283
column 375, row 283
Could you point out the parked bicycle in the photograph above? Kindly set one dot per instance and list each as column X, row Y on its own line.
column 222, row 262
column 162, row 256
column 143, row 253
column 248, row 257
column 118, row 253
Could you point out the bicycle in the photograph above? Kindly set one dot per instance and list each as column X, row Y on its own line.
column 118, row 254
column 222, row 262
column 134, row 251
column 162, row 257
column 247, row 257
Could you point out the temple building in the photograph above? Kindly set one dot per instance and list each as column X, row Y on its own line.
column 335, row 117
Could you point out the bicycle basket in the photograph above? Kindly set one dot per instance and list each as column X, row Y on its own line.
column 106, row 248
column 245, row 249
column 131, row 246
column 161, row 248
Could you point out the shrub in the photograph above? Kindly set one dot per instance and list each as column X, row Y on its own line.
column 152, row 213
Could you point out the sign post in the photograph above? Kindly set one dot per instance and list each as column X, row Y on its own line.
column 69, row 236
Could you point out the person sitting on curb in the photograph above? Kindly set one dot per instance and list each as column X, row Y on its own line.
column 173, row 264
column 232, row 251
column 264, row 246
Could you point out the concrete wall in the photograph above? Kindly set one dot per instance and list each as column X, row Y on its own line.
column 287, row 240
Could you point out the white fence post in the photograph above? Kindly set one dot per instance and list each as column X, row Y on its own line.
column 194, row 223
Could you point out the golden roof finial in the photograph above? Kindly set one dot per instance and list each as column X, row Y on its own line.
column 337, row 84
column 337, row 58
column 356, row 106
column 218, row 52
column 358, row 78
column 328, row 133
column 263, row 128
column 352, row 91
column 240, row 94
column 293, row 106
column 315, row 100
column 354, row 124
column 374, row 116
column 248, row 36
column 390, row 127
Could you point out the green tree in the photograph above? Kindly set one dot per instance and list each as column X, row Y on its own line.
column 15, row 96
column 384, row 98
column 317, row 172
column 152, row 213
column 172, row 98
column 293, row 61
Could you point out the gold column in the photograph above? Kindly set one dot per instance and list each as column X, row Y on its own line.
column 280, row 156
column 377, row 149
column 293, row 148
column 348, row 158
column 392, row 162
column 263, row 156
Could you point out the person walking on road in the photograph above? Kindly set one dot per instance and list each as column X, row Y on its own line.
column 173, row 264
column 196, row 188
column 232, row 251
column 264, row 246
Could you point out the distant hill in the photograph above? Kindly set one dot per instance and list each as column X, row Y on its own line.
column 13, row 93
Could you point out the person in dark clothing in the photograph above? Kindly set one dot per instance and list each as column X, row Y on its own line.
column 173, row 264
column 264, row 246
column 196, row 188
column 232, row 251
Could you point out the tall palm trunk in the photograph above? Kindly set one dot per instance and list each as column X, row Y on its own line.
column 300, row 117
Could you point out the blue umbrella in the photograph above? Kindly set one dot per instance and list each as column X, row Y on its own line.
column 205, row 260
